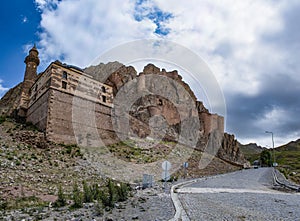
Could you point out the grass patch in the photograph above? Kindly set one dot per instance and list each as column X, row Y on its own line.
column 130, row 151
column 2, row 119
column 288, row 159
column 22, row 202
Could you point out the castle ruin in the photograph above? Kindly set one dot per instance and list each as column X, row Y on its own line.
column 47, row 101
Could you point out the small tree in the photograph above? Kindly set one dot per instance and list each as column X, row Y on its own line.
column 77, row 197
column 61, row 200
column 87, row 193
column 265, row 158
column 111, row 193
column 122, row 191
column 95, row 191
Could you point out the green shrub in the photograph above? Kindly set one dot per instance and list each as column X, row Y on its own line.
column 10, row 158
column 87, row 193
column 33, row 156
column 122, row 190
column 104, row 198
column 61, row 200
column 116, row 193
column 69, row 149
column 98, row 207
column 2, row 119
column 3, row 205
column 77, row 197
column 95, row 191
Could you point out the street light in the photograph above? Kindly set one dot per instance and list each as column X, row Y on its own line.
column 274, row 162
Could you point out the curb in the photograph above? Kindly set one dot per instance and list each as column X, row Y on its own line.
column 287, row 184
column 181, row 214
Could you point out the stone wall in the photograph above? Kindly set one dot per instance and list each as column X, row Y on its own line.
column 77, row 120
column 38, row 111
column 212, row 122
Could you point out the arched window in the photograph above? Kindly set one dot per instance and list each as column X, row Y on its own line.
column 104, row 98
column 64, row 85
column 65, row 75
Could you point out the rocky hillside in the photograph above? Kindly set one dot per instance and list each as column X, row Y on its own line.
column 10, row 101
column 251, row 151
column 32, row 169
column 167, row 95
column 288, row 158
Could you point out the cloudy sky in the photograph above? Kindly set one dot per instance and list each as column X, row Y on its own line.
column 251, row 46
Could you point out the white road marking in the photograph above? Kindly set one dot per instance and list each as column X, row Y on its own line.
column 225, row 190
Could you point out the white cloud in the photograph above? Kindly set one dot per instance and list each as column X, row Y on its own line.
column 233, row 37
column 79, row 31
column 3, row 90
column 227, row 34
column 228, row 38
column 46, row 4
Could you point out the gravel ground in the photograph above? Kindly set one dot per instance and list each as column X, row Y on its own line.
column 242, row 195
column 151, row 204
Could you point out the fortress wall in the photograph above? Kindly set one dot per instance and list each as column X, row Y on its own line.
column 221, row 126
column 212, row 122
column 38, row 111
column 77, row 120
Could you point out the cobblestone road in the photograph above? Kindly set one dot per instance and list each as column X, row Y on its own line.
column 242, row 195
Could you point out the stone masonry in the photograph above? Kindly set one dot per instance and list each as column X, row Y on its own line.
column 71, row 105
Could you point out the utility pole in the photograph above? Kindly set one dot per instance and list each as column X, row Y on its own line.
column 274, row 162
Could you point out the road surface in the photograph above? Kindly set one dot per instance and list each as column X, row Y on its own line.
column 242, row 195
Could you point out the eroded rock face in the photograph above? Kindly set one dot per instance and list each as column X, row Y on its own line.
column 230, row 150
column 10, row 101
column 113, row 74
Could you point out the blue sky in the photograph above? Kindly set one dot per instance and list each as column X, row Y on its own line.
column 19, row 21
column 251, row 46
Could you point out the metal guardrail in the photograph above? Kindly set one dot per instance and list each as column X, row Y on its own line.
column 283, row 181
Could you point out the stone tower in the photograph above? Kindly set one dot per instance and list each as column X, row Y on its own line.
column 31, row 61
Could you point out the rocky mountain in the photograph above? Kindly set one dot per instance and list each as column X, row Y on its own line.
column 156, row 92
column 288, row 158
column 251, row 151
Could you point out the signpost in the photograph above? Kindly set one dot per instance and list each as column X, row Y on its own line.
column 166, row 166
column 185, row 166
column 147, row 181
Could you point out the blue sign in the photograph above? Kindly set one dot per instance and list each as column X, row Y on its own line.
column 185, row 164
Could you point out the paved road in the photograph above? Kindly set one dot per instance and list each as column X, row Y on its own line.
column 242, row 195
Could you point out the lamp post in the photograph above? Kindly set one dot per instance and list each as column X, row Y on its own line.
column 270, row 132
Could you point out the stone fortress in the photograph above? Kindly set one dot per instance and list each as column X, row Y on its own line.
column 47, row 101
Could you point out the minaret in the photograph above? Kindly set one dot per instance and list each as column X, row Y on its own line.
column 31, row 61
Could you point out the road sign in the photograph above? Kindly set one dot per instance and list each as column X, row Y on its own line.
column 166, row 165
column 185, row 164
column 165, row 175
column 147, row 181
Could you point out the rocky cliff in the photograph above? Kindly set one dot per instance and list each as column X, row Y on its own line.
column 230, row 150
column 10, row 101
column 163, row 99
